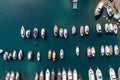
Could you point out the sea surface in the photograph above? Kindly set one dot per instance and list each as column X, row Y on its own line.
column 47, row 13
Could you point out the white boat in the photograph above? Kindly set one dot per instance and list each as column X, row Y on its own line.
column 61, row 53
column 41, row 75
column 93, row 51
column 1, row 51
column 55, row 30
column 61, row 32
column 110, row 11
column 28, row 33
column 64, row 74
column 49, row 54
column 82, row 30
column 70, row 77
column 107, row 50
column 59, row 76
column 53, row 75
column 91, row 74
column 20, row 55
column 77, row 51
column 54, row 56
column 119, row 73
column 111, row 29
column 86, row 29
column 112, row 74
column 14, row 54
column 102, row 50
column 36, row 76
column 98, row 28
column 5, row 56
column 47, row 76
column 115, row 29
column 74, row 30
column 22, row 32
column 17, row 77
column 75, row 74
column 43, row 32
column 111, row 49
column 89, row 53
column 7, row 76
column 106, row 27
column 30, row 55
column 65, row 33
column 35, row 32
column 38, row 56
column 116, row 50
column 12, row 76
column 99, row 74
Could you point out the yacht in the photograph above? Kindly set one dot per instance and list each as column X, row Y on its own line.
column 91, row 74
column 115, row 29
column 59, row 76
column 41, row 75
column 107, row 51
column 64, row 74
column 111, row 49
column 17, row 77
column 47, row 76
column 43, row 32
column 54, row 56
column 61, row 32
column 1, row 51
column 55, row 30
column 86, row 29
column 28, row 33
column 74, row 30
column 82, row 30
column 116, row 50
column 49, row 54
column 61, row 53
column 5, row 56
column 99, row 8
column 75, row 74
column 38, row 56
column 36, row 76
column 111, row 29
column 93, row 51
column 77, row 51
column 99, row 74
column 65, row 33
column 30, row 55
column 53, row 75
column 98, row 28
column 7, row 76
column 106, row 27
column 119, row 73
column 70, row 77
column 20, row 55
column 35, row 32
column 12, row 76
column 23, row 32
column 112, row 74
column 102, row 50
column 14, row 54
column 89, row 53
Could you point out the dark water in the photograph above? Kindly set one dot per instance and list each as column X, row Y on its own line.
column 47, row 13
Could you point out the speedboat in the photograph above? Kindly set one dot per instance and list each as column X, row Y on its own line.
column 35, row 32
column 41, row 75
column 82, row 30
column 43, row 32
column 75, row 74
column 112, row 74
column 47, row 76
column 107, row 50
column 7, row 76
column 59, row 76
column 115, row 29
column 102, row 50
column 119, row 73
column 17, row 77
column 89, row 52
column 23, row 32
column 1, row 51
column 49, row 54
column 99, row 74
column 86, row 29
column 99, row 8
column 64, row 74
column 106, row 27
column 30, row 55
column 54, row 56
column 111, row 49
column 5, row 56
column 61, row 53
column 28, row 33
column 93, row 51
column 12, row 76
column 53, row 75
column 91, row 74
column 98, row 28
column 77, row 51
column 74, row 30
column 70, row 77
column 38, row 56
column 14, row 54
column 65, row 33
column 111, row 29
column 116, row 50
column 61, row 32
column 36, row 76
column 20, row 55
column 55, row 30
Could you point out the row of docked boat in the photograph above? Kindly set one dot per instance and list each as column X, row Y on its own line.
column 12, row 76
column 26, row 33
column 61, row 75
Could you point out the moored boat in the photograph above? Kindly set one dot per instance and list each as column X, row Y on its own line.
column 86, row 29
column 115, row 29
column 98, row 28
column 64, row 74
column 35, row 32
column 52, row 74
column 61, row 32
column 30, row 55
column 91, row 74
column 38, row 56
column 14, row 54
column 43, row 32
column 65, row 33
column 82, row 30
column 41, row 75
column 7, row 76
column 116, row 50
column 17, row 77
column 54, row 56
column 111, row 49
column 99, row 74
column 49, row 54
column 47, row 75
column 22, row 32
column 55, row 30
column 119, row 73
column 102, row 50
column 1, row 51
column 20, row 55
column 112, row 74
column 10, row 56
column 107, row 50
column 36, row 76
column 5, row 56
column 70, row 76
column 59, row 75
column 77, row 51
column 74, row 30
column 75, row 74
column 111, row 29
column 12, row 76
column 89, row 53
column 93, row 51
column 61, row 53
column 106, row 27
column 28, row 33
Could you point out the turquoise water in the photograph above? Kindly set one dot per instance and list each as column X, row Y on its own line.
column 45, row 13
